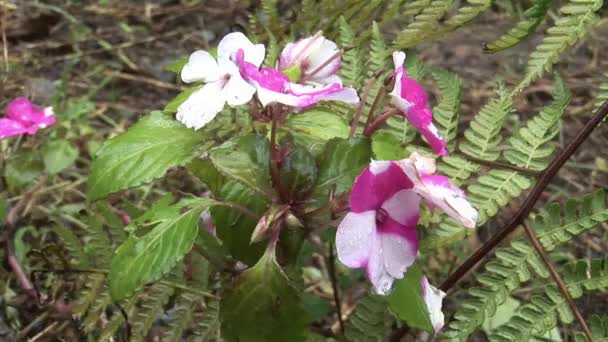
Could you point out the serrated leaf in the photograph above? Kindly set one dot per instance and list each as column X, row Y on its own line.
column 316, row 126
column 387, row 147
column 142, row 259
column 145, row 152
column 406, row 300
column 263, row 305
column 246, row 160
column 342, row 161
column 208, row 174
column 22, row 168
column 172, row 106
column 58, row 155
column 298, row 173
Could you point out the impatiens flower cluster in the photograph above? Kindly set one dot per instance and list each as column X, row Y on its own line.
column 236, row 76
column 379, row 233
column 23, row 117
column 410, row 98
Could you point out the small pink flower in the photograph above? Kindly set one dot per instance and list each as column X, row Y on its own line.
column 317, row 57
column 410, row 98
column 23, row 117
column 433, row 299
column 379, row 233
column 274, row 86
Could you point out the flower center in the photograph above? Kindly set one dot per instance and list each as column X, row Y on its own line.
column 381, row 215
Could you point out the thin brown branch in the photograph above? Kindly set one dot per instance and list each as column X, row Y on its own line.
column 501, row 165
column 331, row 260
column 372, row 127
column 355, row 123
column 372, row 108
column 528, row 204
column 558, row 280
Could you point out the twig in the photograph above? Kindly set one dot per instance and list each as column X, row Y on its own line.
column 558, row 280
column 147, row 80
column 355, row 122
column 371, row 128
column 528, row 204
column 4, row 42
column 334, row 284
column 372, row 108
column 501, row 165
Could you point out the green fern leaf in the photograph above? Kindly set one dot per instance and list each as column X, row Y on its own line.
column 447, row 232
column 494, row 190
column 181, row 318
column 351, row 68
column 540, row 314
column 414, row 7
column 207, row 328
column 529, row 148
column 447, row 111
column 73, row 245
column 423, row 25
column 532, row 17
column 553, row 229
column 457, row 168
column 599, row 329
column 272, row 51
column 150, row 307
column 368, row 322
column 482, row 138
column 466, row 13
column 576, row 19
column 602, row 95
column 377, row 62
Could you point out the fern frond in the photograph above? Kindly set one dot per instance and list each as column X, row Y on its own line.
column 482, row 138
column 466, row 13
column 181, row 318
column 602, row 94
column 540, row 314
column 351, row 68
column 528, row 147
column 272, row 51
column 376, row 62
column 447, row 232
column 400, row 129
column 271, row 17
column 502, row 275
column 88, row 297
column 368, row 321
column 576, row 19
column 207, row 326
column 447, row 111
column 457, row 168
column 599, row 329
column 393, row 10
column 553, row 228
column 494, row 190
column 532, row 17
column 73, row 245
column 423, row 25
column 150, row 307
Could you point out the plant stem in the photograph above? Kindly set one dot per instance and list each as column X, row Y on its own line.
column 501, row 165
column 371, row 128
column 526, row 207
column 372, row 108
column 331, row 260
column 558, row 280
column 355, row 122
column 242, row 209
column 274, row 162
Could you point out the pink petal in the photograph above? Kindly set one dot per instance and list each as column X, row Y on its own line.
column 433, row 298
column 21, row 109
column 310, row 54
column 403, row 207
column 371, row 190
column 9, row 128
column 28, row 115
column 353, row 236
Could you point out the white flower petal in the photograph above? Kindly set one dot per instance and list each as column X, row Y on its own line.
column 398, row 254
column 433, row 298
column 232, row 42
column 320, row 55
column 403, row 207
column 201, row 66
column 202, row 106
column 376, row 271
column 237, row 91
column 353, row 238
column 398, row 58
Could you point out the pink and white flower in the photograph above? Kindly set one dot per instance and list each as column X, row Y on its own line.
column 224, row 83
column 433, row 298
column 411, row 99
column 317, row 58
column 273, row 86
column 379, row 233
column 23, row 117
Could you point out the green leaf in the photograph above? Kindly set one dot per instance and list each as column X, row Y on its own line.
column 208, row 174
column 314, row 127
column 142, row 259
column 3, row 207
column 145, row 152
column 263, row 305
column 22, row 169
column 177, row 65
column 368, row 322
column 234, row 228
column 387, row 147
column 58, row 155
column 245, row 159
column 342, row 161
column 172, row 106
column 407, row 302
column 298, row 173
column 75, row 108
